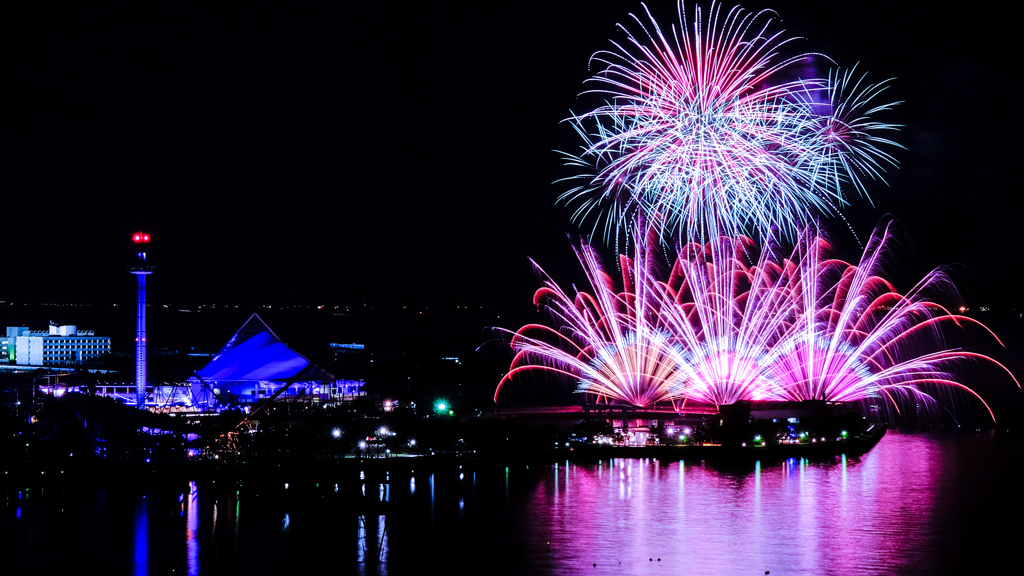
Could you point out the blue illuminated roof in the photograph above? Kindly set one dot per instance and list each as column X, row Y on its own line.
column 256, row 353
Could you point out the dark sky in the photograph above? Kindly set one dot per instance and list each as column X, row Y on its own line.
column 402, row 150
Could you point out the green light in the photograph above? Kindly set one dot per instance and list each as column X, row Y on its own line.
column 450, row 412
column 843, row 433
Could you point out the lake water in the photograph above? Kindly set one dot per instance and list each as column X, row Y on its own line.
column 917, row 503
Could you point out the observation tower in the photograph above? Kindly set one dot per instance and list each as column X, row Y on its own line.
column 141, row 268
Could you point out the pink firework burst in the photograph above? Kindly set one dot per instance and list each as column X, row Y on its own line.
column 617, row 345
column 856, row 337
column 706, row 133
column 727, row 324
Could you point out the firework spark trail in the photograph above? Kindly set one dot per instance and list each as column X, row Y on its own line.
column 703, row 136
column 857, row 338
column 702, row 140
column 725, row 323
column 730, row 325
column 613, row 343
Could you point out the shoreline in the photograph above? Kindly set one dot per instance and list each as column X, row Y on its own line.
column 404, row 465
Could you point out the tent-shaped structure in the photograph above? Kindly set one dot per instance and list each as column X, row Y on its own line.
column 256, row 364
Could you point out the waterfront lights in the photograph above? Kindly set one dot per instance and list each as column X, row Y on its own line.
column 336, row 432
column 362, row 444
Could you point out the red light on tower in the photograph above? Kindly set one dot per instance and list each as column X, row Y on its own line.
column 140, row 237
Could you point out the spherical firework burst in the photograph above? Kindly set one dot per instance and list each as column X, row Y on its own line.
column 729, row 324
column 708, row 131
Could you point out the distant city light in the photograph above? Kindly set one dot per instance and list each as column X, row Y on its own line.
column 336, row 432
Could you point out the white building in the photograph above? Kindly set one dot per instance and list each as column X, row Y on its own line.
column 60, row 345
column 7, row 344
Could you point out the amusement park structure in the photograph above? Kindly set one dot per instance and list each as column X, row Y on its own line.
column 141, row 268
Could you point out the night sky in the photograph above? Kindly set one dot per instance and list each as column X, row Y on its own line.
column 402, row 151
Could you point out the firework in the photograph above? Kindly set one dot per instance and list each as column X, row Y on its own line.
column 730, row 323
column 857, row 338
column 730, row 308
column 703, row 133
column 615, row 344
